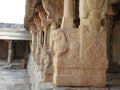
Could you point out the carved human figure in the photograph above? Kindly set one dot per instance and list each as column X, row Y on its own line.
column 93, row 14
column 93, row 49
column 46, row 66
column 45, row 60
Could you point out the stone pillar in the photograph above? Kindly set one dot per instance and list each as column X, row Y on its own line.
column 10, row 52
column 93, row 61
column 43, row 16
column 44, row 58
column 66, row 49
column 53, row 27
column 26, row 50
column 54, row 15
column 33, row 31
column 68, row 15
column 39, row 38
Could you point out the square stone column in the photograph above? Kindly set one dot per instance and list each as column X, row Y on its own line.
column 33, row 31
column 93, row 61
column 81, row 54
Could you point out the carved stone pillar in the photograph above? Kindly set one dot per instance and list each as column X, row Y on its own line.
column 33, row 31
column 93, row 61
column 54, row 10
column 43, row 16
column 45, row 60
column 66, row 43
column 53, row 27
column 81, row 54
column 39, row 38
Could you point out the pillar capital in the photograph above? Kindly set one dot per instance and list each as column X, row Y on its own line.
column 42, row 14
column 37, row 22
column 54, row 10
column 33, row 28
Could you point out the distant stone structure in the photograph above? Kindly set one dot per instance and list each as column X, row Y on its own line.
column 11, row 26
column 14, row 43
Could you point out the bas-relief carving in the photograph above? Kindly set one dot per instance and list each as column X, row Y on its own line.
column 42, row 14
column 33, row 31
column 54, row 9
column 39, row 38
column 82, row 50
column 93, row 14
column 46, row 65
column 43, row 54
column 60, row 44
column 94, row 43
column 66, row 58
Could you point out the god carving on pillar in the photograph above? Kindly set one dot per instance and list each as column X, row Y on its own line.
column 46, row 65
column 95, row 11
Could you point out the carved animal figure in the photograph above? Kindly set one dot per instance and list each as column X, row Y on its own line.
column 74, row 48
column 60, row 44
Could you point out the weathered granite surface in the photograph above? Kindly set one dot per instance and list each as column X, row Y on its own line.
column 14, row 79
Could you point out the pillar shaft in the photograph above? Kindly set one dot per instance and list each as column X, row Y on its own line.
column 93, row 49
column 68, row 8
column 34, row 39
column 45, row 37
column 10, row 52
column 68, row 15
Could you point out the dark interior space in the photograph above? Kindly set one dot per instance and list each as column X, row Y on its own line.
column 3, row 50
column 21, row 49
column 114, row 63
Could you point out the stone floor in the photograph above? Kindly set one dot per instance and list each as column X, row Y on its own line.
column 18, row 79
column 51, row 86
column 14, row 79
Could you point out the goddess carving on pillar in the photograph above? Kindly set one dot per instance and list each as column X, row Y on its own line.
column 97, row 13
column 95, row 4
column 93, row 14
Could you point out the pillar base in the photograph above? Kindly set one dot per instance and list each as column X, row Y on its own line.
column 81, row 77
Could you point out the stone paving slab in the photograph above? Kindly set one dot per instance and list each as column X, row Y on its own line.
column 14, row 79
column 115, row 88
column 51, row 86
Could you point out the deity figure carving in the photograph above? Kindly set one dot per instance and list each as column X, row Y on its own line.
column 46, row 65
column 93, row 14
